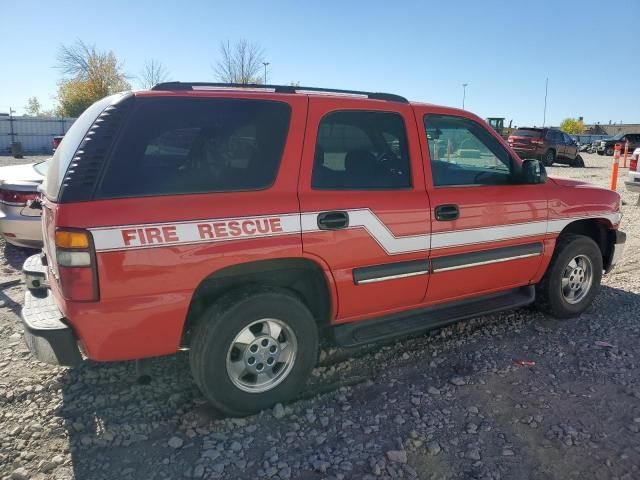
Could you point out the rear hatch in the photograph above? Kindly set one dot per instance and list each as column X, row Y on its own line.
column 70, row 178
column 526, row 138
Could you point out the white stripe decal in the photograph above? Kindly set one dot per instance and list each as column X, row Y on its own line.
column 238, row 228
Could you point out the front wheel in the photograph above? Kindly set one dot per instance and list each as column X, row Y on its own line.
column 572, row 279
column 252, row 349
column 609, row 151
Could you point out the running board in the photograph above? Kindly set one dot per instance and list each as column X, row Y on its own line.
column 408, row 323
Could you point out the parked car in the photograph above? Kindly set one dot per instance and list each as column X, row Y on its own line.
column 546, row 144
column 19, row 223
column 56, row 142
column 241, row 223
column 606, row 147
column 633, row 177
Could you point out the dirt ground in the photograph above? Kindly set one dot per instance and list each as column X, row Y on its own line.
column 453, row 404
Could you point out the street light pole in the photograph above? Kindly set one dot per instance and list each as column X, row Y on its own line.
column 546, row 89
column 265, row 71
column 464, row 93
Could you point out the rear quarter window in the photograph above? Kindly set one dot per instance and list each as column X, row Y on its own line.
column 193, row 145
column 527, row 132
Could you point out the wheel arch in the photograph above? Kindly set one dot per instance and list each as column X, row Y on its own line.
column 304, row 276
column 600, row 230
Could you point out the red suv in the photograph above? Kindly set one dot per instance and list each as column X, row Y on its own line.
column 240, row 223
column 547, row 144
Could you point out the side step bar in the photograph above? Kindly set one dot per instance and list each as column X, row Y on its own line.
column 407, row 323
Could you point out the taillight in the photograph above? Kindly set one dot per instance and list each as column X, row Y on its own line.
column 76, row 261
column 537, row 141
column 633, row 164
column 16, row 197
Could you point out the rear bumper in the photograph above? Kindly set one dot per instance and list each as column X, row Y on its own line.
column 49, row 338
column 20, row 230
column 534, row 152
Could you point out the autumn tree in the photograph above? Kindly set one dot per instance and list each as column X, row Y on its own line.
column 154, row 72
column 239, row 63
column 572, row 126
column 89, row 75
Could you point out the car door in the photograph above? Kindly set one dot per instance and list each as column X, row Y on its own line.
column 488, row 231
column 570, row 147
column 364, row 204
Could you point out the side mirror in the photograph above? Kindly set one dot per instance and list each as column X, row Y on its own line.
column 533, row 171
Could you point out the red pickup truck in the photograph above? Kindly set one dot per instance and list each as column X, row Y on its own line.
column 244, row 222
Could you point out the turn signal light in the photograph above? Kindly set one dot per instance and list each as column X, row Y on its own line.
column 72, row 239
column 75, row 257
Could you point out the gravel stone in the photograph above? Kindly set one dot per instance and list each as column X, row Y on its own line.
column 397, row 456
column 175, row 442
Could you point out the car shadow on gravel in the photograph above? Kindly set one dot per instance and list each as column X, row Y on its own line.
column 15, row 257
column 118, row 428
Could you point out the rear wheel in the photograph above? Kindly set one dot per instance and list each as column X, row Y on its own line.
column 572, row 279
column 578, row 162
column 254, row 348
column 548, row 158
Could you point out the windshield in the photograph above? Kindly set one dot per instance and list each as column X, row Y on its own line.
column 617, row 137
column 67, row 148
column 527, row 132
column 42, row 167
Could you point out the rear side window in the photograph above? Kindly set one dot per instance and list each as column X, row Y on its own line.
column 67, row 148
column 361, row 150
column 188, row 145
column 527, row 132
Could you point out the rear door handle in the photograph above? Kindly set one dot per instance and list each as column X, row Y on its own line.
column 333, row 220
column 446, row 213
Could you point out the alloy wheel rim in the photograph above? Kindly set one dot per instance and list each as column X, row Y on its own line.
column 262, row 355
column 577, row 279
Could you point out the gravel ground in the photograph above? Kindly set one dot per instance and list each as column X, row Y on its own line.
column 453, row 404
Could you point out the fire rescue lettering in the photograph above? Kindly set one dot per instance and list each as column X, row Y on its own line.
column 235, row 228
column 215, row 230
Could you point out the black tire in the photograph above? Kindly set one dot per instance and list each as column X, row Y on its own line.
column 609, row 151
column 219, row 325
column 548, row 158
column 599, row 152
column 549, row 296
column 578, row 162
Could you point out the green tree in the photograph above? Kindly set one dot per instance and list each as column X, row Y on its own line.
column 572, row 126
column 33, row 107
column 89, row 75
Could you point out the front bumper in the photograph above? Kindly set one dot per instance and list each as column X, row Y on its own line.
column 48, row 337
column 616, row 250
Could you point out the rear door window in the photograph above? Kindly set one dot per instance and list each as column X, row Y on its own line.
column 187, row 145
column 361, row 150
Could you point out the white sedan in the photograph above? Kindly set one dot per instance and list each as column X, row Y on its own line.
column 20, row 224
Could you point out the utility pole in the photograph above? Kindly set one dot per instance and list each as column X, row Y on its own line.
column 265, row 71
column 11, row 112
column 464, row 93
column 546, row 89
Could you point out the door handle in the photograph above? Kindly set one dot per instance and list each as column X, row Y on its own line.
column 446, row 213
column 333, row 220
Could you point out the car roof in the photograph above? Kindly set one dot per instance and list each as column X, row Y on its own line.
column 175, row 87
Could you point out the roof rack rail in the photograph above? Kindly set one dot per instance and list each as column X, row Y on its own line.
column 390, row 97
